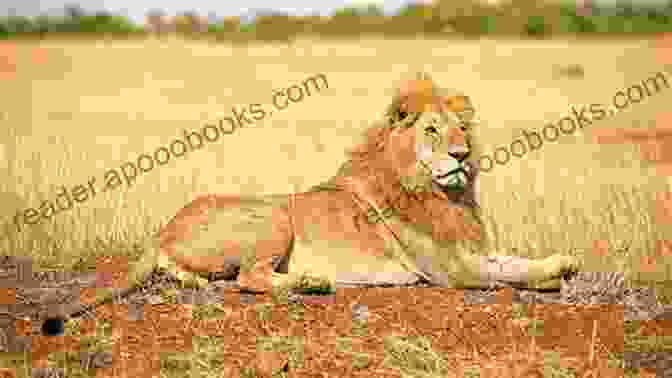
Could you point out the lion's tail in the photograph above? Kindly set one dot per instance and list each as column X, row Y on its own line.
column 138, row 273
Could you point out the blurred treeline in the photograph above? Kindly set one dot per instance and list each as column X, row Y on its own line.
column 527, row 18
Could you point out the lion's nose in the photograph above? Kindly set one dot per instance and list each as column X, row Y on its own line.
column 459, row 153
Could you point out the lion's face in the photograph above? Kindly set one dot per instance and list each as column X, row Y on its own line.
column 433, row 149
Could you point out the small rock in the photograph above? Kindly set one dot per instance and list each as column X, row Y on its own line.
column 102, row 360
column 360, row 312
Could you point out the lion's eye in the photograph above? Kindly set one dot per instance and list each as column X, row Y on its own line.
column 431, row 130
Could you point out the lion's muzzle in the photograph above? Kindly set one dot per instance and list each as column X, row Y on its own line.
column 451, row 173
column 454, row 179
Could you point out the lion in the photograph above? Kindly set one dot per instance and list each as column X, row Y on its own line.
column 401, row 210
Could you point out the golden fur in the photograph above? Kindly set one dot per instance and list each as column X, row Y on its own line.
column 372, row 175
column 402, row 208
column 449, row 220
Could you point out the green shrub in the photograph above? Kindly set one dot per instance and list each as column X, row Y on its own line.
column 488, row 24
column 535, row 26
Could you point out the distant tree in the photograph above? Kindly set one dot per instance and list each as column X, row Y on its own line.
column 625, row 8
column 585, row 8
column 372, row 10
column 230, row 24
column 276, row 27
column 202, row 24
column 349, row 12
column 467, row 17
column 190, row 23
column 18, row 24
column 535, row 26
column 103, row 17
column 156, row 22
column 44, row 24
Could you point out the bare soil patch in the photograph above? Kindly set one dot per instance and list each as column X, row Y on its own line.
column 468, row 329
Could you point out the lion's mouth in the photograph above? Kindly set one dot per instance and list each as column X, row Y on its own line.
column 454, row 180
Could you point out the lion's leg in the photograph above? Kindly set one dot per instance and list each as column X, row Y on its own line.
column 261, row 276
column 499, row 270
column 260, row 263
column 191, row 279
column 225, row 233
column 258, row 277
column 344, row 266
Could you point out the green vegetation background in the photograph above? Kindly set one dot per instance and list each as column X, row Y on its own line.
column 528, row 18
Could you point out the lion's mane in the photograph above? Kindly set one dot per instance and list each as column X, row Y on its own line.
column 457, row 218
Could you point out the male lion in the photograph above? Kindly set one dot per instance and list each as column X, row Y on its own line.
column 402, row 209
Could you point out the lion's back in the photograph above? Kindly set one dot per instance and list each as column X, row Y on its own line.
column 228, row 214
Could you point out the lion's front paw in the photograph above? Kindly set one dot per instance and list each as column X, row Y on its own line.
column 192, row 280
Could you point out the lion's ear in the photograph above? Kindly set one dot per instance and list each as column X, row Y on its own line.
column 461, row 105
column 415, row 94
column 456, row 103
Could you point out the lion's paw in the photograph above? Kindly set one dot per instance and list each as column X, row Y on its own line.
column 191, row 279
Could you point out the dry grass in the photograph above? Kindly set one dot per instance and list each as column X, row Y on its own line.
column 95, row 105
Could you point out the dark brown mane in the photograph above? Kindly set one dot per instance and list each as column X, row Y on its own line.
column 455, row 219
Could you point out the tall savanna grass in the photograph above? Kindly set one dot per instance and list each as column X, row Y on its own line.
column 95, row 105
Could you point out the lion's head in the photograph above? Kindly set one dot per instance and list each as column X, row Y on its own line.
column 422, row 158
column 430, row 140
